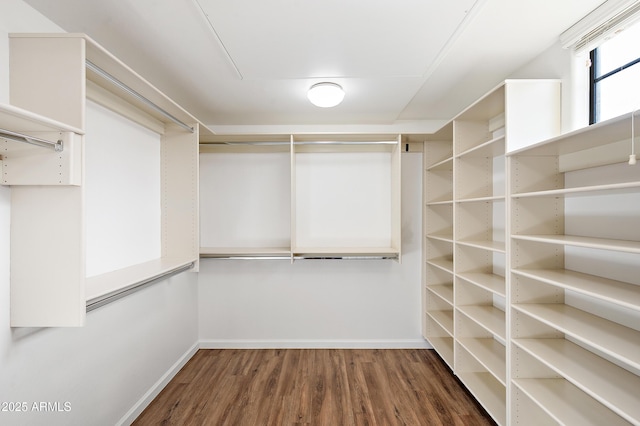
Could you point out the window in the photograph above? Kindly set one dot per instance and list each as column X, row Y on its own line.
column 615, row 76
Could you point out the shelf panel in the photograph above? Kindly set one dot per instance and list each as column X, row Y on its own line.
column 490, row 353
column 587, row 242
column 488, row 317
column 616, row 188
column 492, row 148
column 440, row 201
column 567, row 404
column 446, row 164
column 444, row 291
column 446, row 236
column 481, row 199
column 21, row 120
column 102, row 285
column 614, row 387
column 488, row 391
column 444, row 347
column 490, row 282
column 257, row 252
column 444, row 319
column 445, row 264
column 614, row 129
column 345, row 251
column 619, row 342
column 620, row 293
column 497, row 246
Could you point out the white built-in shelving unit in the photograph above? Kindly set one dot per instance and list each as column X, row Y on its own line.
column 55, row 76
column 465, row 221
column 300, row 196
column 575, row 286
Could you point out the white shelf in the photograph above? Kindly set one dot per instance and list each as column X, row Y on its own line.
column 446, row 264
column 614, row 188
column 619, row 342
column 447, row 200
column 490, row 282
column 497, row 246
column 444, row 291
column 446, row 164
column 488, row 317
column 444, row 319
column 489, row 392
column 257, row 252
column 488, row 198
column 21, row 120
column 490, row 353
column 614, row 387
column 102, row 285
column 446, row 236
column 491, row 148
column 566, row 404
column 444, row 347
column 587, row 242
column 620, row 293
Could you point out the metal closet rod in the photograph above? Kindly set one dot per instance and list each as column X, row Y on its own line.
column 19, row 137
column 102, row 73
column 119, row 294
column 326, row 142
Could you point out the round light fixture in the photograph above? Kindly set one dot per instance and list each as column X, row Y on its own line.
column 325, row 95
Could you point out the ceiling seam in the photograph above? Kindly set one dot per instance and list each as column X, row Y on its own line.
column 215, row 33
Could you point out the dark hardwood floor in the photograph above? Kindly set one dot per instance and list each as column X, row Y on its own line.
column 314, row 387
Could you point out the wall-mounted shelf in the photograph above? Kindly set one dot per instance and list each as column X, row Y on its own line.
column 57, row 290
column 575, row 294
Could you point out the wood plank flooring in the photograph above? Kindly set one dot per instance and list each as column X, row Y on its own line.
column 314, row 387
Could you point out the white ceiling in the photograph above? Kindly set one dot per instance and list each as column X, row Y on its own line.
column 244, row 66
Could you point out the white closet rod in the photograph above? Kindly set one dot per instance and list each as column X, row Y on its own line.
column 102, row 73
column 18, row 137
column 99, row 301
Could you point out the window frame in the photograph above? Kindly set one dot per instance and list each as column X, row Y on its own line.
column 595, row 78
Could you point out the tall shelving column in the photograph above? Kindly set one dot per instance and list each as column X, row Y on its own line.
column 466, row 287
column 437, row 288
column 575, row 297
column 479, row 283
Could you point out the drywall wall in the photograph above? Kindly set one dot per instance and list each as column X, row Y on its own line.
column 572, row 70
column 97, row 374
column 319, row 303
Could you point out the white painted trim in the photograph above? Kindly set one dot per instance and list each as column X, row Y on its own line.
column 149, row 396
column 315, row 344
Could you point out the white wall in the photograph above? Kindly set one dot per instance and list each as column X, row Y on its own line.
column 320, row 303
column 101, row 370
column 563, row 64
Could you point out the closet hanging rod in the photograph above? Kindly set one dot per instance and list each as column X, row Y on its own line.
column 18, row 137
column 99, row 301
column 328, row 142
column 102, row 73
column 394, row 257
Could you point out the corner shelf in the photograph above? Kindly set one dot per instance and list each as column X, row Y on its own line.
column 58, row 292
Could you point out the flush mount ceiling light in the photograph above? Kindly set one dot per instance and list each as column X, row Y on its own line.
column 325, row 95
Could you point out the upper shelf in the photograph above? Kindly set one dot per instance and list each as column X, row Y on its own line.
column 588, row 137
column 21, row 120
column 116, row 78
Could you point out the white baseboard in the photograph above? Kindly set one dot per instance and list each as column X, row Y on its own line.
column 139, row 407
column 315, row 344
